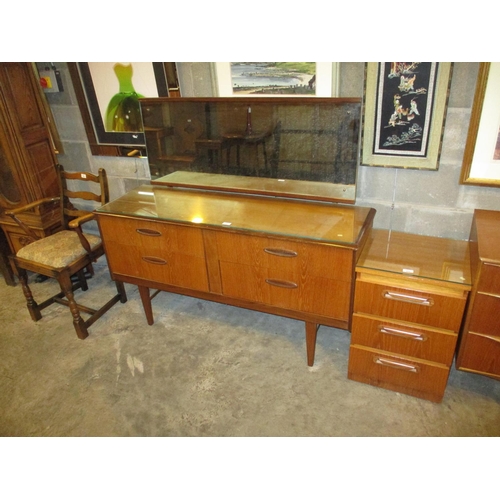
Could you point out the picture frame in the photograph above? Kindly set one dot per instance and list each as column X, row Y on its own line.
column 481, row 161
column 404, row 113
column 326, row 81
column 166, row 81
column 100, row 84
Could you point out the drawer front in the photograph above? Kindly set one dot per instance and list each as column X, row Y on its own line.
column 480, row 353
column 289, row 256
column 287, row 290
column 404, row 338
column 152, row 236
column 158, row 252
column 397, row 373
column 408, row 304
column 486, row 315
column 489, row 281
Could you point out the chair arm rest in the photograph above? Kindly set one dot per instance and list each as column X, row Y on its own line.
column 30, row 206
column 75, row 223
column 14, row 213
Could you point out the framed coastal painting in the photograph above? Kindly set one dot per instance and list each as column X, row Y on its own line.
column 481, row 163
column 277, row 79
column 404, row 113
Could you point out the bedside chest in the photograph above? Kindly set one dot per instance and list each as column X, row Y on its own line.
column 410, row 296
column 479, row 350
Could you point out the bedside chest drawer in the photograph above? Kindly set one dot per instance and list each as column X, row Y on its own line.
column 485, row 315
column 164, row 253
column 489, row 281
column 480, row 353
column 410, row 304
column 402, row 374
column 404, row 338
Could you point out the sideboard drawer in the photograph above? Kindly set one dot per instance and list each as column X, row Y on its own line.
column 163, row 253
column 287, row 289
column 410, row 304
column 289, row 256
column 152, row 236
column 404, row 338
column 398, row 373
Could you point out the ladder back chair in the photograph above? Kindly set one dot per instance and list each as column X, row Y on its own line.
column 66, row 255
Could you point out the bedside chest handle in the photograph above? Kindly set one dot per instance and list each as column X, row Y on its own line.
column 395, row 364
column 423, row 301
column 402, row 333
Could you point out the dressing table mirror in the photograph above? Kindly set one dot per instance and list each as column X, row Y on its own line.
column 292, row 147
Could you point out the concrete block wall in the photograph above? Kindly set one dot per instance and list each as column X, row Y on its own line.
column 422, row 202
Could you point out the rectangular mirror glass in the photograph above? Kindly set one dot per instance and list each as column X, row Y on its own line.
column 310, row 146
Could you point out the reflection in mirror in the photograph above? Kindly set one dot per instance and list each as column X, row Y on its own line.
column 304, row 140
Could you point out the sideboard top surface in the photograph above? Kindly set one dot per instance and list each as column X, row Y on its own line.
column 326, row 222
column 425, row 257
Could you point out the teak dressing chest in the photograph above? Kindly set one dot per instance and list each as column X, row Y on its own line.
column 288, row 257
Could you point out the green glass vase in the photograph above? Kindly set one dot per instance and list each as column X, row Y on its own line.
column 123, row 113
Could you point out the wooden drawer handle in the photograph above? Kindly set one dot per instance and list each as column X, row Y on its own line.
column 148, row 232
column 395, row 364
column 154, row 260
column 423, row 301
column 388, row 330
column 282, row 283
column 281, row 252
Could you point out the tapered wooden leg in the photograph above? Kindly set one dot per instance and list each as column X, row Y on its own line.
column 78, row 322
column 146, row 303
column 120, row 287
column 311, row 334
column 30, row 301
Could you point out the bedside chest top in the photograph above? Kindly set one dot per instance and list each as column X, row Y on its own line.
column 417, row 256
column 325, row 222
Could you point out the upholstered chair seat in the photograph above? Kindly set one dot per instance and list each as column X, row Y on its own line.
column 58, row 250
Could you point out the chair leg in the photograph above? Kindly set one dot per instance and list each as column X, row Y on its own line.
column 30, row 301
column 82, row 279
column 78, row 322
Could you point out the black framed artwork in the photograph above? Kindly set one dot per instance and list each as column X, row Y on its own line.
column 405, row 106
column 112, row 91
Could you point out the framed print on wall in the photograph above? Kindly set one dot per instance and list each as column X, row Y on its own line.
column 113, row 90
column 107, row 94
column 404, row 113
column 481, row 164
column 285, row 79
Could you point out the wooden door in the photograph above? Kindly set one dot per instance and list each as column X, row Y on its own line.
column 27, row 154
column 27, row 158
